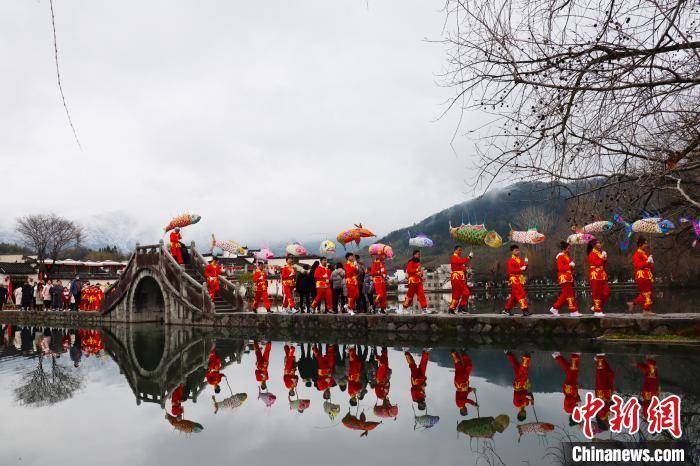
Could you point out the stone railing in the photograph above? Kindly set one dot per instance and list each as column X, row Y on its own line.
column 227, row 289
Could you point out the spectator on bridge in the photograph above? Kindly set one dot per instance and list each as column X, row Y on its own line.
column 27, row 295
column 76, row 290
column 362, row 305
column 46, row 295
column 65, row 298
column 338, row 284
column 304, row 283
column 56, row 292
column 38, row 301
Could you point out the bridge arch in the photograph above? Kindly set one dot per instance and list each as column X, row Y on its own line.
column 148, row 300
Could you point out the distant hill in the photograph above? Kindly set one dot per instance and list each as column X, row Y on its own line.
column 498, row 210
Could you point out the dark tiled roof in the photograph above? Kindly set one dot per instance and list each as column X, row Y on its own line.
column 20, row 268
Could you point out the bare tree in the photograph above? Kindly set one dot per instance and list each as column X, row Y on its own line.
column 49, row 235
column 582, row 90
column 41, row 388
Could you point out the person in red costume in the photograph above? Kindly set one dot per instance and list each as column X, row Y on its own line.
column 214, row 374
column 351, row 283
column 643, row 264
column 262, row 362
column 289, row 281
column 415, row 283
column 516, row 267
column 650, row 385
column 175, row 239
column 322, row 277
column 290, row 376
column 597, row 276
column 326, row 364
column 419, row 380
column 522, row 396
column 463, row 371
column 378, row 273
column 458, row 280
column 570, row 386
column 354, row 372
column 260, row 286
column 383, row 376
column 176, row 402
column 565, row 277
column 211, row 273
column 604, row 388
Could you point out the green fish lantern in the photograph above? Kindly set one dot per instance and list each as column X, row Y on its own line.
column 484, row 427
column 476, row 235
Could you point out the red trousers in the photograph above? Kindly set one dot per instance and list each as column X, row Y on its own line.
column 415, row 289
column 517, row 295
column 380, row 294
column 261, row 298
column 323, row 294
column 176, row 252
column 288, row 301
column 600, row 292
column 353, row 294
column 567, row 296
column 460, row 294
column 213, row 285
column 644, row 297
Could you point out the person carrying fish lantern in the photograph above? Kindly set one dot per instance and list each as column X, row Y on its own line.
column 415, row 283
column 522, row 396
column 650, row 385
column 516, row 268
column 211, row 273
column 354, row 373
column 260, row 287
column 570, row 386
column 643, row 264
column 604, row 388
column 289, row 275
column 175, row 245
column 176, row 398
column 419, row 379
column 351, row 282
column 458, row 280
column 290, row 376
column 214, row 374
column 325, row 364
column 262, row 362
column 378, row 273
column 463, row 371
column 322, row 277
column 565, row 277
column 598, row 276
column 382, row 377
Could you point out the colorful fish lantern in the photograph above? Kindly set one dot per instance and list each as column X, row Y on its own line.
column 420, row 241
column 579, row 238
column 327, row 247
column 695, row 223
column 263, row 255
column 493, row 239
column 536, row 428
column 530, row 236
column 601, row 226
column 267, row 398
column 475, row 235
column 182, row 221
column 184, row 425
column 229, row 246
column 378, row 249
column 231, row 403
column 354, row 234
column 359, row 423
column 295, row 249
column 647, row 225
column 483, row 427
column 425, row 421
column 386, row 410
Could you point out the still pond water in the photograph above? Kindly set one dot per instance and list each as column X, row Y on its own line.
column 105, row 397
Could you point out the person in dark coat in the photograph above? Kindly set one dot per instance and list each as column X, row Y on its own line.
column 76, row 290
column 57, row 296
column 3, row 295
column 76, row 351
column 27, row 295
column 304, row 289
column 308, row 366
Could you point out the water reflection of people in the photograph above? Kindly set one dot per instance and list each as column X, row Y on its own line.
column 214, row 374
column 604, row 388
column 176, row 408
column 522, row 396
column 570, row 386
column 650, row 385
column 290, row 376
column 262, row 361
column 308, row 367
column 463, row 371
column 76, row 350
column 419, row 380
column 382, row 385
column 325, row 364
column 353, row 374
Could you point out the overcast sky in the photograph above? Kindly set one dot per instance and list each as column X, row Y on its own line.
column 274, row 120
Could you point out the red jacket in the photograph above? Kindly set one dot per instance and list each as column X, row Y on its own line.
column 354, row 371
column 414, row 272
column 650, row 386
column 570, row 386
column 642, row 266
column 351, row 272
column 175, row 237
column 289, row 275
column 378, row 271
column 262, row 361
column 290, row 376
column 565, row 273
column 260, row 280
column 596, row 266
column 463, row 370
column 458, row 267
column 322, row 275
column 604, row 384
column 212, row 270
column 325, row 367
column 515, row 272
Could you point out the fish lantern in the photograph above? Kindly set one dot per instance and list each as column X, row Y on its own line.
column 229, row 246
column 378, row 249
column 469, row 234
column 327, row 247
column 267, row 398
column 420, row 241
column 425, row 421
column 182, row 221
column 530, row 236
column 295, row 249
column 536, row 428
column 484, row 427
column 354, row 234
column 386, row 410
column 493, row 239
column 601, row 226
column 580, row 239
column 263, row 255
column 231, row 403
column 647, row 225
column 695, row 223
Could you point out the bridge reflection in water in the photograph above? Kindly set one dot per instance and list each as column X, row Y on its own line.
column 292, row 401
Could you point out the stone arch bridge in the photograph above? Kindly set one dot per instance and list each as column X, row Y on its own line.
column 155, row 288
